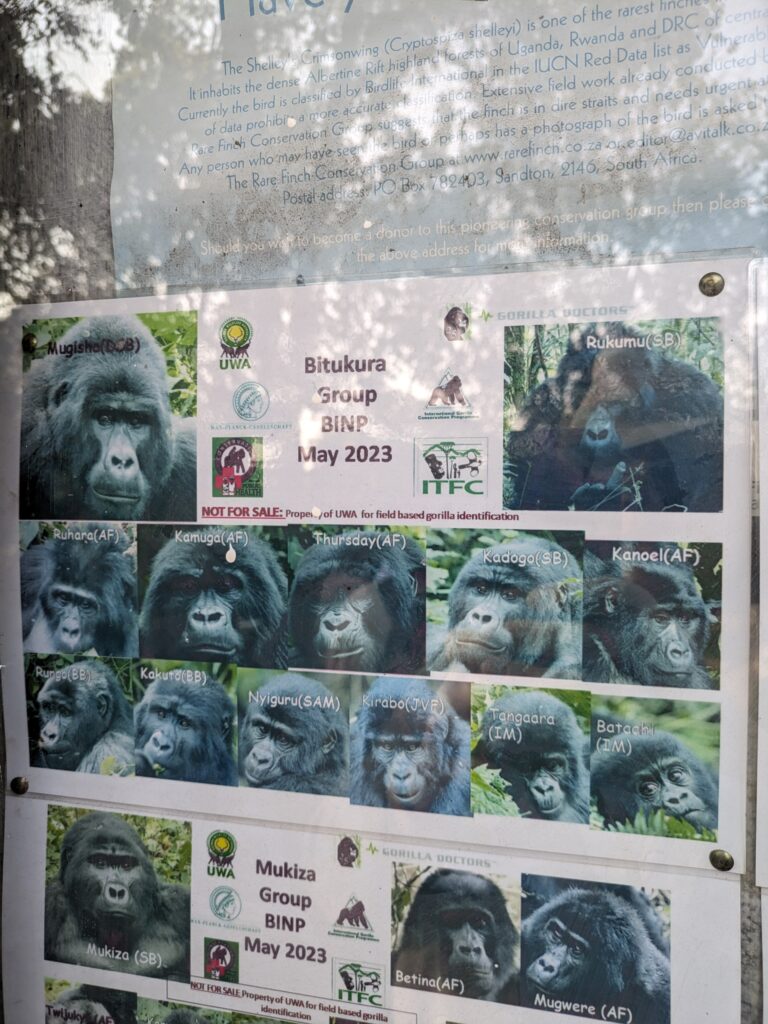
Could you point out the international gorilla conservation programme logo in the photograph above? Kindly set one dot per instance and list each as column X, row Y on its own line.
column 235, row 336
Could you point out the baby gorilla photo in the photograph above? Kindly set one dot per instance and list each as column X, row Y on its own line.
column 294, row 737
column 458, row 934
column 185, row 730
column 587, row 947
column 513, row 610
column 100, row 440
column 209, row 599
column 656, row 777
column 409, row 750
column 534, row 740
column 107, row 908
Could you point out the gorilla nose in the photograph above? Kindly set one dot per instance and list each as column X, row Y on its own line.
column 117, row 893
column 597, row 435
column 207, row 618
column 338, row 625
column 160, row 743
column 679, row 652
column 483, row 618
column 679, row 798
column 70, row 632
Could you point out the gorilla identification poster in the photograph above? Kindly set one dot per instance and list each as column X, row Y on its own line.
column 463, row 556
column 354, row 139
column 206, row 920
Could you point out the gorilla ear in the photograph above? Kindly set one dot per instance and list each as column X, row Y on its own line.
column 226, row 725
column 104, row 705
column 562, row 594
column 611, row 600
column 330, row 742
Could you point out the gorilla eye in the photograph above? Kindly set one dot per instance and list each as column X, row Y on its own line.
column 98, row 861
column 677, row 774
column 647, row 789
column 186, row 585
column 136, row 420
column 160, row 713
column 685, row 617
column 480, row 588
column 184, row 723
column 511, row 593
column 576, row 951
column 226, row 584
column 127, row 863
column 104, row 419
column 661, row 617
column 385, row 744
column 412, row 745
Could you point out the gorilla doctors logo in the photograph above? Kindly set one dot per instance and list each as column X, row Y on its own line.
column 238, row 467
column 447, row 466
column 357, row 983
column 222, row 847
column 235, row 336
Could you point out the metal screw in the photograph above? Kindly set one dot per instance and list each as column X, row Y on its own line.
column 711, row 284
column 19, row 785
column 721, row 859
column 29, row 343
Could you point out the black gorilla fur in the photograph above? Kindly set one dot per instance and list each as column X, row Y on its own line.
column 458, row 928
column 545, row 772
column 294, row 737
column 359, row 607
column 107, row 895
column 99, row 440
column 85, row 721
column 589, row 946
column 644, row 624
column 185, row 731
column 513, row 609
column 660, row 773
column 415, row 758
column 80, row 596
column 616, row 424
column 90, row 1004
column 201, row 607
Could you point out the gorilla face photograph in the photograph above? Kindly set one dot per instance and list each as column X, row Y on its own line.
column 532, row 748
column 654, row 767
column 595, row 945
column 357, row 601
column 615, row 417
column 107, row 898
column 212, row 594
column 106, row 432
column 651, row 614
column 460, row 931
column 79, row 715
column 87, row 1004
column 293, row 733
column 78, row 589
column 185, row 728
column 510, row 608
column 409, row 749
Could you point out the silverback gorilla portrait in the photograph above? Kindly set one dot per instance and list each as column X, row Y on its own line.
column 203, row 604
column 107, row 904
column 99, row 440
column 357, row 604
column 621, row 426
column 294, row 736
column 84, row 721
column 534, row 740
column 644, row 624
column 513, row 609
column 458, row 932
column 409, row 750
column 660, row 773
column 595, row 946
column 80, row 596
column 185, row 730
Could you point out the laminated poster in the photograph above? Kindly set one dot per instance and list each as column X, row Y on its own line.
column 462, row 559
column 154, row 919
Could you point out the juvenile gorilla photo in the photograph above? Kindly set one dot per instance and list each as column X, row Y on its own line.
column 357, row 602
column 589, row 944
column 615, row 417
column 106, row 902
column 79, row 595
column 88, row 1004
column 212, row 595
column 460, row 932
column 409, row 750
column 80, row 719
column 650, row 617
column 185, row 729
column 512, row 608
column 294, row 735
column 100, row 439
column 648, row 780
column 538, row 745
